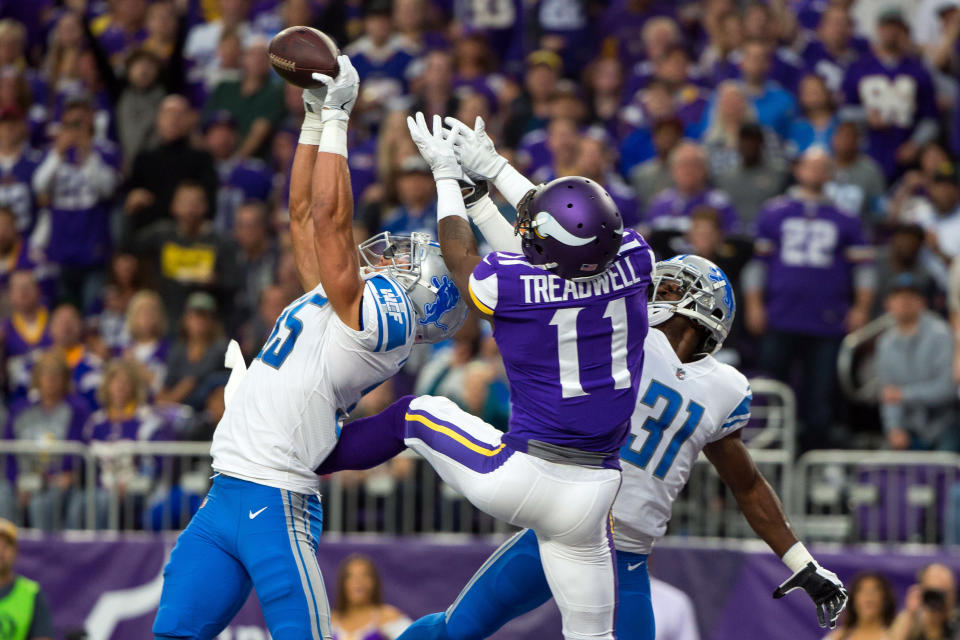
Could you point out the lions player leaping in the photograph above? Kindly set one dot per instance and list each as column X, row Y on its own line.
column 570, row 318
column 260, row 523
column 690, row 402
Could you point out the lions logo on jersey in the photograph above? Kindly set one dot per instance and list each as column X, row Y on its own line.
column 447, row 298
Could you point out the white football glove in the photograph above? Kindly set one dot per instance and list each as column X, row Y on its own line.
column 475, row 149
column 341, row 92
column 823, row 587
column 436, row 148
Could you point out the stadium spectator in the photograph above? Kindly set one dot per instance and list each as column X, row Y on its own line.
column 195, row 365
column 432, row 90
column 257, row 256
column 380, row 56
column 562, row 145
column 817, row 119
column 51, row 413
column 76, row 181
column 86, row 368
column 241, row 179
column 774, row 105
column 203, row 38
column 944, row 194
column 903, row 254
column 24, row 606
column 358, row 609
column 25, row 331
column 18, row 163
column 185, row 253
column 871, row 609
column 834, row 48
column 673, row 612
column 730, row 112
column 146, row 332
column 532, row 109
column 915, row 367
column 725, row 35
column 651, row 106
column 929, row 609
column 893, row 93
column 651, row 177
column 138, row 101
column 125, row 416
column 670, row 211
column 755, row 179
column 16, row 255
column 659, row 36
column 158, row 171
column 411, row 21
column 604, row 83
column 125, row 280
column 810, row 286
column 255, row 100
column 595, row 161
column 858, row 185
column 416, row 209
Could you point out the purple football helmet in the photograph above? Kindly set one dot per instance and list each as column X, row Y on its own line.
column 571, row 226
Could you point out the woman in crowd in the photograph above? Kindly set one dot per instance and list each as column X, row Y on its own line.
column 146, row 330
column 50, row 413
column 817, row 119
column 870, row 611
column 195, row 367
column 359, row 612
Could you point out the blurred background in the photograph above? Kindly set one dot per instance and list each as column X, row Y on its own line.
column 144, row 155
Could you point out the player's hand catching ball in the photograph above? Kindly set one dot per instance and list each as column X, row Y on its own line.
column 475, row 149
column 436, row 148
column 341, row 92
column 823, row 587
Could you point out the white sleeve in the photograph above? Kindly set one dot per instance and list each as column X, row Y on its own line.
column 512, row 184
column 43, row 178
column 496, row 230
column 99, row 174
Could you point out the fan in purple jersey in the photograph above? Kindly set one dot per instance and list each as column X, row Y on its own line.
column 892, row 92
column 624, row 19
column 380, row 56
column 834, row 47
column 241, row 179
column 762, row 22
column 673, row 70
column 670, row 211
column 17, row 165
column 77, row 181
column 15, row 256
column 813, row 284
column 25, row 331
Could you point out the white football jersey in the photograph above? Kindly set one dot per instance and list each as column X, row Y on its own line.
column 285, row 416
column 682, row 407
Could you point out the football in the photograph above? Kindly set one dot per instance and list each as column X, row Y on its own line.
column 298, row 52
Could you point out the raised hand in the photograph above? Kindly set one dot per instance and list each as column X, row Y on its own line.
column 475, row 149
column 436, row 147
column 340, row 93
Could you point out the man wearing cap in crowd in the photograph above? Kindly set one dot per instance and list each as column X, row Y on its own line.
column 24, row 608
column 915, row 369
column 417, row 198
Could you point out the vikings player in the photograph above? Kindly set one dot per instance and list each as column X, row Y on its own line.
column 690, row 403
column 259, row 524
column 569, row 314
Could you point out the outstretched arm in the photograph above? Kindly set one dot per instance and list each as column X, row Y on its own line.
column 457, row 244
column 321, row 201
column 764, row 512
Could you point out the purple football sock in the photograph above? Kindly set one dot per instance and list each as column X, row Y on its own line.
column 367, row 442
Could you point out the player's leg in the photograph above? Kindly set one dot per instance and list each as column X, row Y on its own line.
column 635, row 610
column 204, row 583
column 509, row 584
column 580, row 566
column 278, row 541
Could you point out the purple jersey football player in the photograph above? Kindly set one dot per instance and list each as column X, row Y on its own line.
column 569, row 316
column 894, row 94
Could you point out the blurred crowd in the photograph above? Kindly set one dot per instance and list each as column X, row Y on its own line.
column 808, row 147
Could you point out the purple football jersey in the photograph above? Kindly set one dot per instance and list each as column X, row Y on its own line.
column 670, row 210
column 16, row 191
column 573, row 349
column 903, row 93
column 809, row 250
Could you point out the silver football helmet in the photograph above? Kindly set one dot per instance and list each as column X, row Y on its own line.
column 417, row 265
column 706, row 296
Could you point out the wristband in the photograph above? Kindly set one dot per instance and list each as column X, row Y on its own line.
column 797, row 557
column 333, row 138
column 512, row 184
column 310, row 130
column 450, row 200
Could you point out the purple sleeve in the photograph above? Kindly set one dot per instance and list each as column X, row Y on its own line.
column 368, row 442
column 850, row 88
column 766, row 239
column 926, row 96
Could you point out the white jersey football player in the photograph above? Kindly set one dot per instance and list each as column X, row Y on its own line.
column 354, row 327
column 689, row 403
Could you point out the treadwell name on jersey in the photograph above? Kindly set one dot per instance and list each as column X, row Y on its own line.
column 539, row 289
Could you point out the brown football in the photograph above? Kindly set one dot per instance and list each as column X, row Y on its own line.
column 298, row 52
